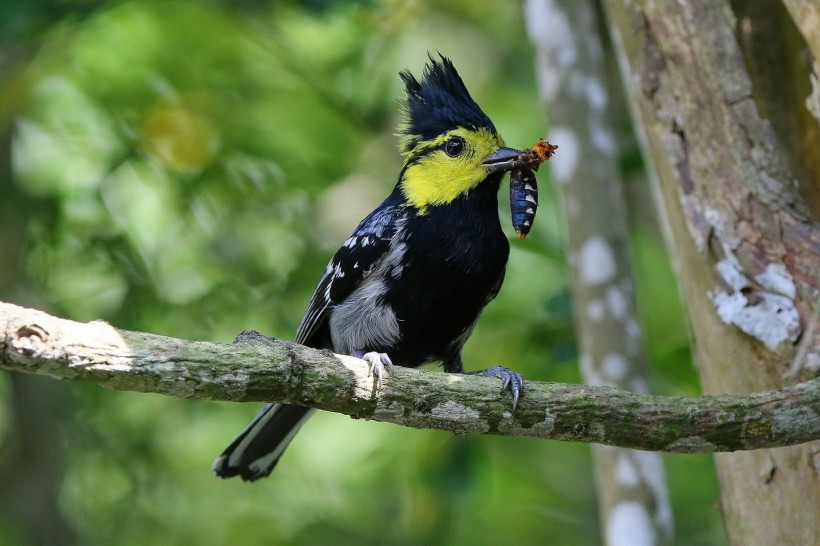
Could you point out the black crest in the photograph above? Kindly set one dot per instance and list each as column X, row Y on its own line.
column 439, row 103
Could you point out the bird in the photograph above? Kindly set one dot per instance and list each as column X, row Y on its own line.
column 408, row 286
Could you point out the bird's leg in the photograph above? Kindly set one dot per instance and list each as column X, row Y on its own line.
column 378, row 362
column 509, row 378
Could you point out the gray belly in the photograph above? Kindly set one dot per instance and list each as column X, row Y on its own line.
column 363, row 321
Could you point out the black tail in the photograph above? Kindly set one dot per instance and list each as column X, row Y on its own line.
column 257, row 449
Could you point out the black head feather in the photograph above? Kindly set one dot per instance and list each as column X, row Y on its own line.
column 439, row 103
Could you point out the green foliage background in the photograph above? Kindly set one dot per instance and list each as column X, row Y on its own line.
column 187, row 168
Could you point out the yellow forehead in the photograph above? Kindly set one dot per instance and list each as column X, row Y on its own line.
column 434, row 178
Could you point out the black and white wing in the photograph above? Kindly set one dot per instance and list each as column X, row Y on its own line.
column 352, row 263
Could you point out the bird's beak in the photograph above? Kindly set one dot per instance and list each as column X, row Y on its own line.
column 503, row 160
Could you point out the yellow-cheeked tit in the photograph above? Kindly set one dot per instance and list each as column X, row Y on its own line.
column 409, row 284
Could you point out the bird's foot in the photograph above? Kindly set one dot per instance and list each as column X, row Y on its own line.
column 509, row 378
column 378, row 363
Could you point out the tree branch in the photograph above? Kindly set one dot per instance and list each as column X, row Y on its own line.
column 280, row 370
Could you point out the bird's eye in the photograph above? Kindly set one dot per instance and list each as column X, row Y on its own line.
column 454, row 147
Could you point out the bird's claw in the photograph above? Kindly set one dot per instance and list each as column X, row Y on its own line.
column 378, row 362
column 509, row 379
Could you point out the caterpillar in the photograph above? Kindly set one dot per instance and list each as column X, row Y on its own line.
column 524, row 186
column 523, row 200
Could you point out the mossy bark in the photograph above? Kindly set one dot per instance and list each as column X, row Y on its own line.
column 278, row 370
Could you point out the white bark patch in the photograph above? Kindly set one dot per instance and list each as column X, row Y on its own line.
column 117, row 365
column 564, row 170
column 602, row 139
column 777, row 279
column 596, row 262
column 772, row 318
column 617, row 302
column 596, row 94
column 550, row 31
column 731, row 273
column 596, row 310
column 724, row 229
column 650, row 466
column 588, row 371
column 633, row 329
column 629, row 524
column 614, row 367
column 453, row 411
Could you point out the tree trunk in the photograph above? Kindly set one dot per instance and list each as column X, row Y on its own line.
column 747, row 251
column 633, row 498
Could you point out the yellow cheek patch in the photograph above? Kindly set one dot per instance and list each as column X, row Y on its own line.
column 434, row 178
